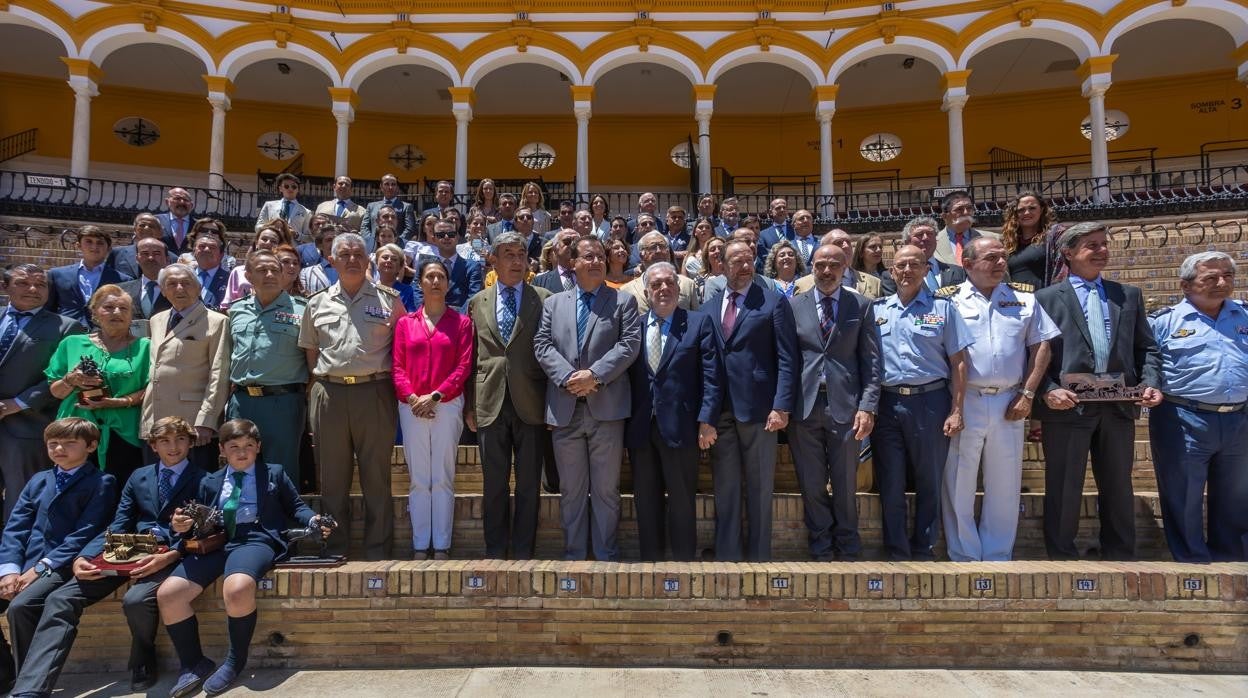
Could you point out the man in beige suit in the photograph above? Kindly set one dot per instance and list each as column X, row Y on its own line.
column 860, row 281
column 342, row 210
column 653, row 247
column 190, row 364
column 507, row 400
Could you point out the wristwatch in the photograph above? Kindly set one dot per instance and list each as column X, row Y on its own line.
column 42, row 569
column 1029, row 394
column 436, row 396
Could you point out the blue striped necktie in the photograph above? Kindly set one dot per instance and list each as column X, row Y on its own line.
column 582, row 317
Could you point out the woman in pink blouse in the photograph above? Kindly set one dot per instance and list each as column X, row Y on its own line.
column 432, row 361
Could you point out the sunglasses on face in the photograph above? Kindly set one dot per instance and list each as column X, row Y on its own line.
column 445, row 235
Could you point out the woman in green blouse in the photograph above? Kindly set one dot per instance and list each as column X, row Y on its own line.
column 124, row 365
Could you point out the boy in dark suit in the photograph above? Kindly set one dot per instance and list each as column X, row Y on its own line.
column 71, row 286
column 59, row 511
column 257, row 501
column 148, row 500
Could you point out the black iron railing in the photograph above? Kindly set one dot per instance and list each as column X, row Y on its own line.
column 18, row 143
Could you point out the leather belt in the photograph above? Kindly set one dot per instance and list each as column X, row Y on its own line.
column 355, row 380
column 994, row 390
column 916, row 389
column 1207, row 406
column 267, row 390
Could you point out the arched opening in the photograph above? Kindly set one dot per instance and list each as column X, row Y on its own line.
column 33, row 95
column 520, row 104
column 653, row 105
column 281, row 120
column 403, row 126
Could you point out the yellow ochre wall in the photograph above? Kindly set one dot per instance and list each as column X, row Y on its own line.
column 630, row 150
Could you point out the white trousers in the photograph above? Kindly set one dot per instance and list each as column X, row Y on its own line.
column 996, row 443
column 430, row 447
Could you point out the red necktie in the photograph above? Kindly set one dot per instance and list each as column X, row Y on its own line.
column 730, row 314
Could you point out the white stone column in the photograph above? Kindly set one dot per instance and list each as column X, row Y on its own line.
column 954, row 83
column 461, row 107
column 1095, row 73
column 825, row 108
column 582, row 108
column 703, row 107
column 84, row 78
column 220, row 89
column 343, row 109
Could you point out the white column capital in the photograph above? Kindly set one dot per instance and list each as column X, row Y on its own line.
column 703, row 109
column 1242, row 73
column 582, row 110
column 343, row 112
column 83, row 86
column 462, row 111
column 955, row 99
column 824, row 111
column 219, row 101
column 1094, row 87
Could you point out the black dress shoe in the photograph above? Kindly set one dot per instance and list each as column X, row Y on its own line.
column 143, row 677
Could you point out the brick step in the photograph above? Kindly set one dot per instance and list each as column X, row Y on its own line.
column 789, row 541
column 1013, row 615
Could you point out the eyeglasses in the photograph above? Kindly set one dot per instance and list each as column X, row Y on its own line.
column 656, row 247
column 290, row 186
column 525, row 217
column 446, row 235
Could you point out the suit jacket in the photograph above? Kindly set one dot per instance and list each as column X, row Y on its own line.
column 1132, row 348
column 493, row 230
column 309, row 254
column 140, row 510
column 216, row 286
column 949, row 276
column 686, row 388
column 125, row 260
column 45, row 524
column 689, row 299
column 298, row 220
column 353, row 218
column 507, row 369
column 716, row 284
column 277, row 501
column 770, row 236
column 945, row 251
column 190, row 368
column 22, row 377
column 849, row 361
column 466, row 280
column 134, row 288
column 65, row 296
column 166, row 224
column 549, row 280
column 761, row 360
column 405, row 223
column 865, row 284
column 612, row 340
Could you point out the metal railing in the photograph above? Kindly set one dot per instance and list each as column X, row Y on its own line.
column 19, row 143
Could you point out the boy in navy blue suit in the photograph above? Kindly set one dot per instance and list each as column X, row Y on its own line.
column 257, row 500
column 148, row 500
column 59, row 511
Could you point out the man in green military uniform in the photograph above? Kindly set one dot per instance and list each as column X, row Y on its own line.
column 347, row 332
column 267, row 367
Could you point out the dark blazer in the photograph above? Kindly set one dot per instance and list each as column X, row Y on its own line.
column 950, row 275
column 277, row 501
column 134, row 288
column 1132, row 349
column 309, row 254
column 549, row 280
column 466, row 281
column 850, row 360
column 770, row 236
column 166, row 224
column 125, row 260
column 507, row 369
column 686, row 388
column 21, row 374
column 45, row 524
column 64, row 295
column 216, row 287
column 761, row 360
column 405, row 223
column 140, row 510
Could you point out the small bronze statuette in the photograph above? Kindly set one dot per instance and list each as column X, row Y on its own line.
column 1101, row 387
column 207, row 530
column 313, row 530
column 124, row 551
column 89, row 368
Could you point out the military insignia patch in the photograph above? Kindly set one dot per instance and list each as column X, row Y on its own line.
column 1011, row 304
column 1181, row 333
column 881, row 320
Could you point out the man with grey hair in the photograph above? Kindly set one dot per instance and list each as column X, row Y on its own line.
column 676, row 403
column 347, row 332
column 922, row 233
column 647, row 204
column 190, row 365
column 1105, row 331
column 1199, row 433
column 653, row 248
column 958, row 211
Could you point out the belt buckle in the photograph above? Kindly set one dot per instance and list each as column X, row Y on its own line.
column 255, row 391
column 349, row 380
column 1223, row 409
column 905, row 390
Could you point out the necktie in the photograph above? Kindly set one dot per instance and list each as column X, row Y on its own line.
column 174, row 319
column 730, row 314
column 507, row 324
column 829, row 317
column 165, row 488
column 803, row 246
column 933, row 281
column 149, row 298
column 507, row 226
column 285, row 209
column 654, row 345
column 205, row 293
column 582, row 317
column 230, row 510
column 342, row 208
column 568, row 279
column 62, row 480
column 957, row 249
column 179, row 229
column 1097, row 330
column 10, row 332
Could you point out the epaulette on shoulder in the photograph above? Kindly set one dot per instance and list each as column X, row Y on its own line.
column 387, row 290
column 1020, row 286
column 879, row 300
column 947, row 291
column 1162, row 311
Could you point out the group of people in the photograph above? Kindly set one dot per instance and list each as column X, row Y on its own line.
column 561, row 350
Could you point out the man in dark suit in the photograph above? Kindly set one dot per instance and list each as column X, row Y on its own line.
column 124, row 258
column 676, row 403
column 781, row 228
column 507, row 219
column 70, row 287
column 405, row 219
column 922, row 233
column 208, row 246
column 148, row 500
column 840, row 390
column 647, row 204
column 443, row 198
column 29, row 335
column 310, row 253
column 562, row 277
column 759, row 347
column 144, row 291
column 1105, row 329
column 466, row 277
column 507, row 401
column 176, row 223
column 587, row 339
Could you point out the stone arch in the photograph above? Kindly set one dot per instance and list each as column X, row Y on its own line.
column 367, row 66
column 99, row 45
column 1230, row 16
column 24, row 17
column 1077, row 39
column 661, row 55
column 498, row 58
column 233, row 63
column 792, row 59
column 926, row 49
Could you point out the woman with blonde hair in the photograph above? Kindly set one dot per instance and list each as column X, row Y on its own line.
column 532, row 198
